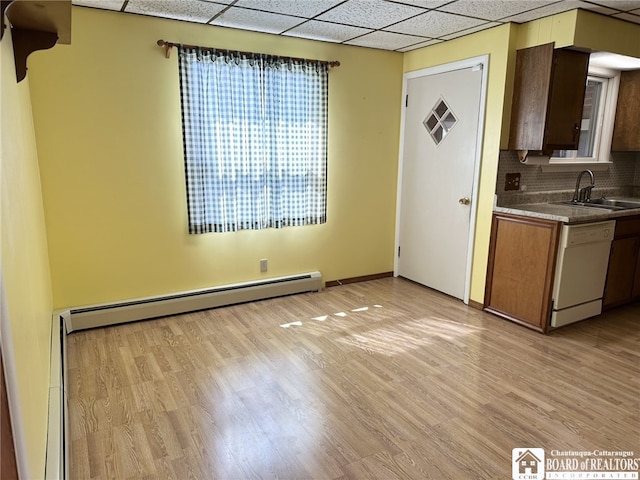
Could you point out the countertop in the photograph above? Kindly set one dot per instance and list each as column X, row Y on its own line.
column 567, row 213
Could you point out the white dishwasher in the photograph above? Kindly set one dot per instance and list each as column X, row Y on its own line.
column 581, row 271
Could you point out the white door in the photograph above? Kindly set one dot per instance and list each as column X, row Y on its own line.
column 439, row 159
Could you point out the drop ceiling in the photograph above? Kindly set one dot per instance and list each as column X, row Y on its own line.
column 400, row 25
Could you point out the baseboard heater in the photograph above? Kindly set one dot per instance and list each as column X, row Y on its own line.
column 57, row 444
column 183, row 302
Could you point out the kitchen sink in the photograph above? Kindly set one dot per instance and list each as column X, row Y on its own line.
column 625, row 204
column 604, row 203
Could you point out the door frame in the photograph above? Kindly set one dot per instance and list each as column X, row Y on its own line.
column 482, row 62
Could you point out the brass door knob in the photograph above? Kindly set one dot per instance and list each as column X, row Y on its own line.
column 464, row 201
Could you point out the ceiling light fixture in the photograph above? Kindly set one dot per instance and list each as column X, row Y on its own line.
column 614, row 61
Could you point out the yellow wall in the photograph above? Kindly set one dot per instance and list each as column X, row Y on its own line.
column 25, row 265
column 606, row 34
column 556, row 28
column 108, row 126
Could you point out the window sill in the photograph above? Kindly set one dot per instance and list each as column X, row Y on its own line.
column 576, row 167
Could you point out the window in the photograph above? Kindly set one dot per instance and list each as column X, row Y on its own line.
column 255, row 134
column 598, row 113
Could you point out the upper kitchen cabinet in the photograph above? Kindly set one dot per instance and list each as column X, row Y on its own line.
column 548, row 95
column 626, row 130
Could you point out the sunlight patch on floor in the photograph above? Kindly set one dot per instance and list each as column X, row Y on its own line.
column 322, row 318
column 411, row 335
column 400, row 337
column 291, row 324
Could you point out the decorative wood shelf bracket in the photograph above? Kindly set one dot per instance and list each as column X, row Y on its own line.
column 25, row 42
column 35, row 25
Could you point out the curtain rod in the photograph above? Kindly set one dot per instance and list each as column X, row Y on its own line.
column 169, row 45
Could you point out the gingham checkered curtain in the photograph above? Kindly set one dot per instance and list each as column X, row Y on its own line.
column 255, row 134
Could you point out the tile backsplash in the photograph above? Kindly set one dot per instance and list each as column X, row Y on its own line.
column 622, row 178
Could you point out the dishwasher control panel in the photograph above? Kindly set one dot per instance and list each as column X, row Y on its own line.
column 590, row 233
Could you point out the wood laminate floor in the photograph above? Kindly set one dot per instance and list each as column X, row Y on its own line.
column 377, row 380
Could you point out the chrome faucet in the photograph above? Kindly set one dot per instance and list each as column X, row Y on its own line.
column 583, row 194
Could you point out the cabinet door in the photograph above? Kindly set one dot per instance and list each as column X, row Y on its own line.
column 622, row 270
column 566, row 99
column 626, row 130
column 530, row 97
column 548, row 95
column 522, row 260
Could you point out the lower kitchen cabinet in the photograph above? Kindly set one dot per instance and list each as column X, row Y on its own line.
column 623, row 276
column 520, row 273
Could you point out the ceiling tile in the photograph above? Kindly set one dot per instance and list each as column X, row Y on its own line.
column 547, row 10
column 391, row 41
column 589, row 6
column 330, row 32
column 434, row 24
column 462, row 33
column 491, row 10
column 628, row 16
column 190, row 10
column 104, row 4
column 624, row 5
column 419, row 45
column 401, row 25
column 424, row 3
column 370, row 13
column 307, row 8
column 257, row 21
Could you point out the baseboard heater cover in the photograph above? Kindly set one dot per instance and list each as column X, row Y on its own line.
column 57, row 457
column 159, row 306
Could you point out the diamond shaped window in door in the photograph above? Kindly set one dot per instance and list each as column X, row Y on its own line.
column 440, row 121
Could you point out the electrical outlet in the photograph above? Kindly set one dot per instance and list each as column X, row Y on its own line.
column 264, row 265
column 512, row 182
